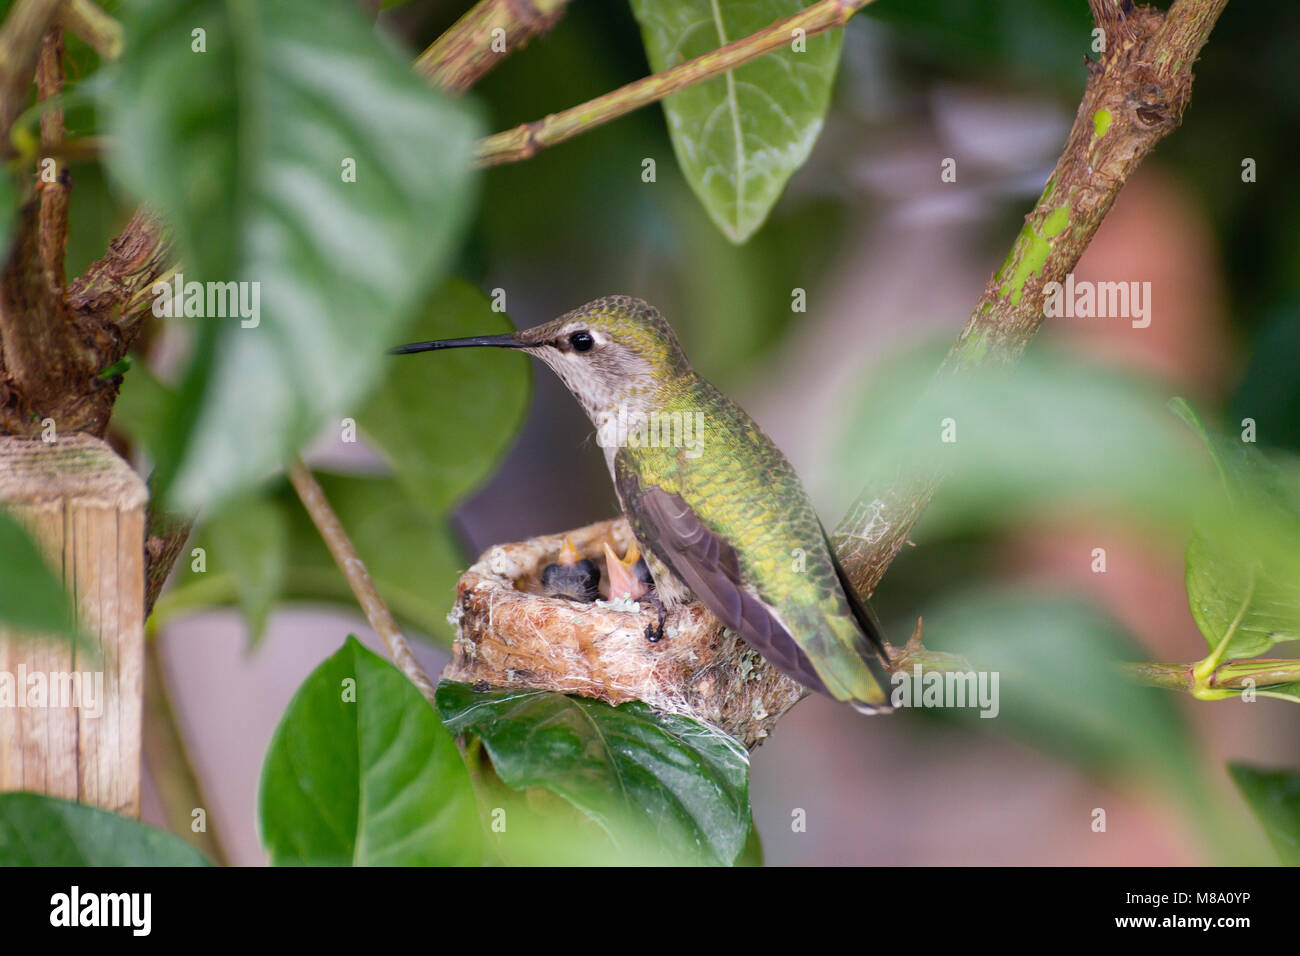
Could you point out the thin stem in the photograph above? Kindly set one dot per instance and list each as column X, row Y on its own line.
column 526, row 140
column 54, row 195
column 20, row 42
column 354, row 569
column 483, row 37
column 1264, row 675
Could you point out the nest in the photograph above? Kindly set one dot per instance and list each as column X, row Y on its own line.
column 510, row 634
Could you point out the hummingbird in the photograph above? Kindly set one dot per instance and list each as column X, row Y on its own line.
column 715, row 507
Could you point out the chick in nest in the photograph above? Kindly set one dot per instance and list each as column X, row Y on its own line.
column 572, row 576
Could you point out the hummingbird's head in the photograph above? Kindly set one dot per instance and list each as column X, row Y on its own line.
column 616, row 351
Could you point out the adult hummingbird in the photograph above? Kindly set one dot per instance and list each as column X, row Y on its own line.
column 715, row 507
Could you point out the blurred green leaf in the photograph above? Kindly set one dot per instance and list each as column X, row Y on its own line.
column 1032, row 39
column 8, row 210
column 411, row 556
column 1051, row 432
column 251, row 176
column 360, row 771
column 1274, row 795
column 250, row 537
column 36, row 830
column 141, row 407
column 443, row 421
column 1232, row 586
column 32, row 598
column 640, row 774
column 740, row 137
column 1059, row 688
column 1269, row 392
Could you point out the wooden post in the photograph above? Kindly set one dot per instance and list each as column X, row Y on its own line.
column 86, row 508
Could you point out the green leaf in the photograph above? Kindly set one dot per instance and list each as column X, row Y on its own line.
column 360, row 771
column 1274, row 795
column 1037, row 42
column 243, row 148
column 649, row 779
column 443, row 421
column 1234, row 582
column 36, row 830
column 32, row 598
column 1289, row 692
column 251, row 537
column 739, row 137
column 411, row 555
column 1224, row 594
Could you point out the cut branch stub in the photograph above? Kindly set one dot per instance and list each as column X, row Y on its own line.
column 509, row 634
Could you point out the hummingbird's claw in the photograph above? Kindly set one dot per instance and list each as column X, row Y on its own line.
column 654, row 633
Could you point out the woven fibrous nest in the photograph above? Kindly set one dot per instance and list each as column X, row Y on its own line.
column 510, row 634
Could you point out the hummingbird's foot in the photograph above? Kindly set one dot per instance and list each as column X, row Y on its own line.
column 654, row 632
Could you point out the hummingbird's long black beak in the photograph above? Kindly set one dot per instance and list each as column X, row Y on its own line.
column 506, row 341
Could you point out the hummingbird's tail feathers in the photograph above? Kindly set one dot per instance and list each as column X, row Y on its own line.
column 875, row 655
column 865, row 617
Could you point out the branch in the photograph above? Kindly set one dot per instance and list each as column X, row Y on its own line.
column 20, row 43
column 465, row 53
column 115, row 289
column 1227, row 680
column 350, row 563
column 88, row 22
column 528, row 139
column 1134, row 98
column 54, row 195
column 164, row 541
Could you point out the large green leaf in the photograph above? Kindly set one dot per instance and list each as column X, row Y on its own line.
column 36, row 830
column 647, row 778
column 740, row 137
column 443, row 420
column 243, row 149
column 32, row 599
column 361, row 771
column 411, row 556
column 1235, row 581
column 1274, row 795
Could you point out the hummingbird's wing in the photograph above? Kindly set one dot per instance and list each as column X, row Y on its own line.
column 707, row 564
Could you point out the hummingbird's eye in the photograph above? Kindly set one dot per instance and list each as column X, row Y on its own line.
column 581, row 341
